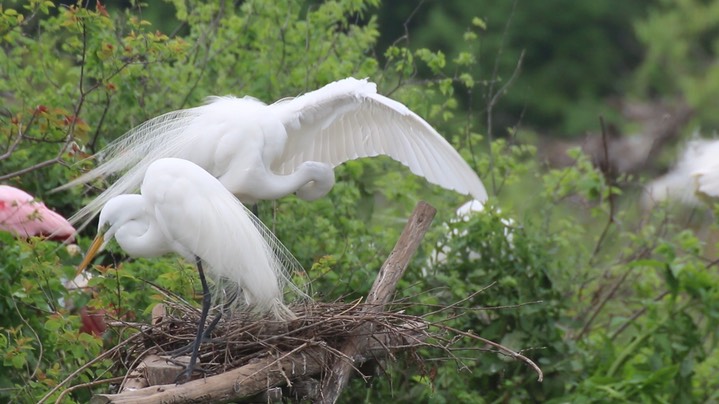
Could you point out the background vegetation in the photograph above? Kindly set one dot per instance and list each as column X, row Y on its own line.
column 614, row 303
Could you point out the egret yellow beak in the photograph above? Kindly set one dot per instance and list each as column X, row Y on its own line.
column 94, row 248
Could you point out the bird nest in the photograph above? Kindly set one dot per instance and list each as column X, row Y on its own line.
column 257, row 352
column 247, row 356
column 245, row 338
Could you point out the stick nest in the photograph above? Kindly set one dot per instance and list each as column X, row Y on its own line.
column 242, row 338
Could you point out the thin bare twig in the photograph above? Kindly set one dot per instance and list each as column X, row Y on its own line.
column 494, row 97
column 504, row 350
column 610, row 183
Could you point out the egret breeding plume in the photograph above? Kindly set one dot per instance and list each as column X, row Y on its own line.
column 264, row 152
column 183, row 209
column 23, row 216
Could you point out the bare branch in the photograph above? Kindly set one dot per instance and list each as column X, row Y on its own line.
column 380, row 294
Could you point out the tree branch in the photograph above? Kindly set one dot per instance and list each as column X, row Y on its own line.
column 380, row 294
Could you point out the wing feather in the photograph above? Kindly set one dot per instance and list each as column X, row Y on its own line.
column 347, row 119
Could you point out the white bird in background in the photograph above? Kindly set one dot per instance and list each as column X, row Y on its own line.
column 707, row 176
column 463, row 214
column 696, row 173
column 264, row 152
column 185, row 210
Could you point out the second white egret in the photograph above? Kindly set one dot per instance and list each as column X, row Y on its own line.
column 185, row 210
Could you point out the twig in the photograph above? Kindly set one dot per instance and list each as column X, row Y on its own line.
column 494, row 97
column 605, row 169
column 503, row 349
column 105, row 355
column 635, row 316
column 88, row 384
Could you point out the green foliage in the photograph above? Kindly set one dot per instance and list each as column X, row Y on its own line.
column 558, row 266
column 575, row 53
column 681, row 53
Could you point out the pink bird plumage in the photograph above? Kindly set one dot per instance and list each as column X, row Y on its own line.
column 23, row 216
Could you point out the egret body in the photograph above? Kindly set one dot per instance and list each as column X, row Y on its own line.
column 264, row 152
column 183, row 209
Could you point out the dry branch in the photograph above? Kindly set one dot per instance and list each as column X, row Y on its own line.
column 382, row 291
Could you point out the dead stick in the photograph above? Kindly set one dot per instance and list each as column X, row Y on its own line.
column 382, row 291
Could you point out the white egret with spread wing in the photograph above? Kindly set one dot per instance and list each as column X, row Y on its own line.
column 183, row 209
column 264, row 152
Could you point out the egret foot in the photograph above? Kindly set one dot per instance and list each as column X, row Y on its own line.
column 186, row 375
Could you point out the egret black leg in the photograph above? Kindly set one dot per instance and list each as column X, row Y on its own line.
column 255, row 209
column 216, row 320
column 208, row 330
column 187, row 373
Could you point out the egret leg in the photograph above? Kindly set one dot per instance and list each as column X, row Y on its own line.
column 208, row 330
column 187, row 373
column 225, row 307
column 255, row 209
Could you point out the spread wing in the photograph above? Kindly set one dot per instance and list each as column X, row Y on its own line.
column 347, row 119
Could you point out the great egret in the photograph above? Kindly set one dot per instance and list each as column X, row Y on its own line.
column 264, row 152
column 695, row 174
column 23, row 216
column 183, row 209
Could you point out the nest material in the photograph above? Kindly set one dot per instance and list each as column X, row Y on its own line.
column 242, row 338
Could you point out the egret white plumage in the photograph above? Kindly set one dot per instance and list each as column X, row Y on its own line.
column 695, row 174
column 463, row 214
column 706, row 175
column 264, row 152
column 183, row 209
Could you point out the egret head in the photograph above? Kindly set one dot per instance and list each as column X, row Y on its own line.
column 116, row 212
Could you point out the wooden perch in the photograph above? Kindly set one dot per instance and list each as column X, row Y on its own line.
column 381, row 293
column 312, row 357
